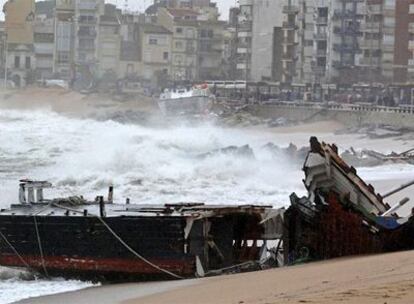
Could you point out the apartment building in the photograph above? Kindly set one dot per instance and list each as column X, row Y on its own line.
column 210, row 50
column 183, row 23
column 87, row 13
column 404, row 42
column 155, row 44
column 2, row 46
column 289, row 43
column 109, row 44
column 44, row 43
column 20, row 55
column 64, row 63
column 316, row 66
column 267, row 17
column 244, row 40
column 345, row 41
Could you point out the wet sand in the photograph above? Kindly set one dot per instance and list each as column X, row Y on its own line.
column 376, row 279
column 109, row 294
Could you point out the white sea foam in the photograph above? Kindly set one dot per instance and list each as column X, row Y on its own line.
column 147, row 165
column 15, row 286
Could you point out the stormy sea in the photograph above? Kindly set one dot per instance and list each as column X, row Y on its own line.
column 182, row 163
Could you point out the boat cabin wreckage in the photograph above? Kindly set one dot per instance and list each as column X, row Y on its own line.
column 341, row 215
column 100, row 240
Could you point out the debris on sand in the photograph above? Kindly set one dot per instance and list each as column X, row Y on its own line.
column 376, row 131
column 371, row 158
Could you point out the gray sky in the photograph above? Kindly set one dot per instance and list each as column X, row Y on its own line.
column 224, row 5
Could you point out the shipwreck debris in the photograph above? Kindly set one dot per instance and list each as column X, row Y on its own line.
column 341, row 215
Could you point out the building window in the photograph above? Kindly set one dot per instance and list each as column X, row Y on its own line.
column 179, row 30
column 130, row 69
column 63, row 57
column 165, row 56
column 17, row 62
column 28, row 63
column 178, row 45
column 153, row 41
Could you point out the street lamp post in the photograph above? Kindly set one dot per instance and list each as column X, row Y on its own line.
column 5, row 60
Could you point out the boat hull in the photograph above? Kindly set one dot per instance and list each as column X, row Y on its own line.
column 82, row 247
column 185, row 106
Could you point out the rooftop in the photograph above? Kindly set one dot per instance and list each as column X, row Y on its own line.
column 154, row 29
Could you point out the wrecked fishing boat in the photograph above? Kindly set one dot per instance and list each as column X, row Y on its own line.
column 101, row 240
column 341, row 215
column 186, row 101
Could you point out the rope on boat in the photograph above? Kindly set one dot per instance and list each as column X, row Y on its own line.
column 39, row 242
column 139, row 256
column 136, row 253
column 15, row 251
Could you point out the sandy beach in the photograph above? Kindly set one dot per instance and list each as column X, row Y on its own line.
column 377, row 279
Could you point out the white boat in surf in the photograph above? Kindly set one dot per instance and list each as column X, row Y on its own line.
column 182, row 101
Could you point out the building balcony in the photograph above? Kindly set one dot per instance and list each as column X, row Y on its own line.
column 321, row 20
column 244, row 50
column 289, row 57
column 349, row 31
column 245, row 26
column 320, row 36
column 290, row 9
column 319, row 70
column 370, row 44
column 87, row 20
column 289, row 41
column 86, row 5
column 289, row 73
column 347, row 14
column 372, row 27
column 367, row 61
column 88, row 33
column 337, row 64
column 87, row 48
column 321, row 53
column 243, row 66
column 374, row 9
column 287, row 25
column 346, row 48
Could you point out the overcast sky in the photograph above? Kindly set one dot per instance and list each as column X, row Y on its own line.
column 142, row 4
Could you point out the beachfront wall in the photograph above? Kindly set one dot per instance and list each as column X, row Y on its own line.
column 352, row 115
